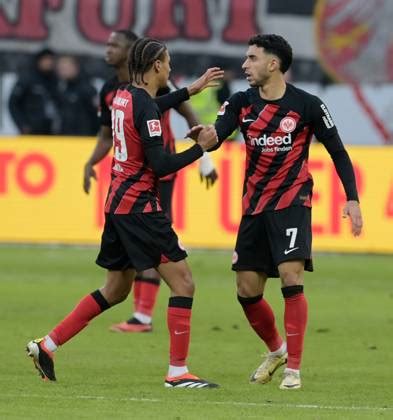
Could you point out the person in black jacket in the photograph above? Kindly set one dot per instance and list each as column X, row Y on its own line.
column 32, row 102
column 77, row 99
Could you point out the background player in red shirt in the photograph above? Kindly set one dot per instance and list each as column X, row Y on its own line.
column 146, row 285
column 137, row 234
column 278, row 122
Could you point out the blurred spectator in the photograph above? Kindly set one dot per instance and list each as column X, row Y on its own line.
column 32, row 102
column 77, row 99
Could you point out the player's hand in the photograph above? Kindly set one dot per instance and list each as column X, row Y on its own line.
column 207, row 138
column 210, row 178
column 352, row 210
column 193, row 132
column 209, row 79
column 88, row 173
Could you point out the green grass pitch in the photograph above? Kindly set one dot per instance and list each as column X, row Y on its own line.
column 347, row 368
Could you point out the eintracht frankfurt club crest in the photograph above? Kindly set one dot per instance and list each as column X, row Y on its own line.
column 354, row 42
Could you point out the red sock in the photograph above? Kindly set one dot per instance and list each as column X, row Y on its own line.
column 136, row 288
column 295, row 321
column 145, row 295
column 88, row 308
column 179, row 325
column 261, row 318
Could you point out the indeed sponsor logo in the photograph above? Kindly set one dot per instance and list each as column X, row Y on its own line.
column 271, row 141
column 273, row 144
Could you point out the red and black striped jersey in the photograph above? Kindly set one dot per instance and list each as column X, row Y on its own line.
column 108, row 92
column 139, row 155
column 107, row 95
column 277, row 135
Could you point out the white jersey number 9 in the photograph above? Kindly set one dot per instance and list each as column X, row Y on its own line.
column 121, row 154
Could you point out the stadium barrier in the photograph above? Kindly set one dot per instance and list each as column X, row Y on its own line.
column 42, row 200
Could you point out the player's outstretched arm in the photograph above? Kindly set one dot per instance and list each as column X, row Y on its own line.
column 164, row 163
column 101, row 149
column 208, row 79
column 174, row 99
column 352, row 210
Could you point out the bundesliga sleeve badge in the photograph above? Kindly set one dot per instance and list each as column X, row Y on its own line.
column 154, row 127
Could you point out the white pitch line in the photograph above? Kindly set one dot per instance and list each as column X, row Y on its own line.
column 228, row 403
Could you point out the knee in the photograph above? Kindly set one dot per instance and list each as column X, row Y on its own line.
column 247, row 288
column 290, row 278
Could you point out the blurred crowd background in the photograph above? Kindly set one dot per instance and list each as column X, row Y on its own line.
column 52, row 66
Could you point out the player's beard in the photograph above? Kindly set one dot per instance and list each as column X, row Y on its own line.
column 260, row 80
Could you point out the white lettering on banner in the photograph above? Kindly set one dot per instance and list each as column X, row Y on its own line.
column 192, row 27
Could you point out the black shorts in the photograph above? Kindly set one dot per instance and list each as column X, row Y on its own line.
column 270, row 238
column 165, row 189
column 139, row 241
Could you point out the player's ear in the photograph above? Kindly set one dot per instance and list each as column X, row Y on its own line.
column 274, row 64
column 157, row 66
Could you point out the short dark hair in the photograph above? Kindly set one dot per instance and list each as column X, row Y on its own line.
column 277, row 45
column 130, row 36
column 142, row 56
column 43, row 53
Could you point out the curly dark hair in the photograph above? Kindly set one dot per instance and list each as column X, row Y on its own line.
column 277, row 45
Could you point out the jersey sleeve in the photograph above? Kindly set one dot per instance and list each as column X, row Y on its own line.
column 163, row 163
column 227, row 118
column 326, row 132
column 321, row 120
column 104, row 113
column 172, row 99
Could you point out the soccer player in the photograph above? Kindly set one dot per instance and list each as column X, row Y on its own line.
column 146, row 285
column 137, row 235
column 278, row 121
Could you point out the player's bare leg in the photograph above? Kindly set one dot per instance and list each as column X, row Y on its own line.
column 178, row 277
column 116, row 289
column 295, row 319
column 145, row 290
column 250, row 288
